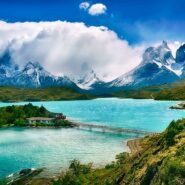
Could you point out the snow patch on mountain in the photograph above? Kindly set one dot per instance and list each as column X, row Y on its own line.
column 87, row 80
column 123, row 80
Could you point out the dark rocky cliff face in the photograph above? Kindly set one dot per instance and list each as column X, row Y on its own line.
column 180, row 55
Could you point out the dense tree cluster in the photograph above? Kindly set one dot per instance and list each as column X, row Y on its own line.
column 16, row 115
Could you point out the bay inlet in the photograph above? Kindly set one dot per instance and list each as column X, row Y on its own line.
column 54, row 148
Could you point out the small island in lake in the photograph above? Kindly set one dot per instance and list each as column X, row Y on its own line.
column 33, row 116
column 178, row 106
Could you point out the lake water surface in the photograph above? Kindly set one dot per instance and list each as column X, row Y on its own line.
column 54, row 148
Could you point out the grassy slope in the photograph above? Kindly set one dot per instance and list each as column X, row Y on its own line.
column 12, row 94
column 174, row 91
column 160, row 162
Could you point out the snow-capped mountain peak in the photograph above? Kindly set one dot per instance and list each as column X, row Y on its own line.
column 34, row 75
column 161, row 54
column 165, row 45
column 88, row 77
column 157, row 67
column 34, row 65
column 165, row 54
column 34, row 68
column 87, row 80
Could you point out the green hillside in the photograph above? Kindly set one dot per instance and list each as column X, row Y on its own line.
column 161, row 161
column 12, row 94
column 173, row 91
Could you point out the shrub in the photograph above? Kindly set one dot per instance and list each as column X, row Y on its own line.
column 120, row 158
column 173, row 171
column 150, row 172
column 61, row 122
column 173, row 129
column 20, row 122
column 108, row 166
column 67, row 179
column 76, row 168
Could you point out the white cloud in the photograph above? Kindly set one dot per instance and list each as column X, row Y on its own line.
column 174, row 46
column 64, row 47
column 97, row 9
column 84, row 5
column 94, row 9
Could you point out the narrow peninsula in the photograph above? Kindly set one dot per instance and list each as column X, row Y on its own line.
column 29, row 115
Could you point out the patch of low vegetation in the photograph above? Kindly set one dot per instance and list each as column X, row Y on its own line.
column 140, row 93
column 13, row 94
column 85, row 174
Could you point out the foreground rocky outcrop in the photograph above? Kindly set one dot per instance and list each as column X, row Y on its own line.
column 23, row 177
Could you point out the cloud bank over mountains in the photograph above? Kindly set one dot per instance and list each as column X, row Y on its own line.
column 64, row 47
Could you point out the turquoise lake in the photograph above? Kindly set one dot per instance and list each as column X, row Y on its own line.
column 55, row 148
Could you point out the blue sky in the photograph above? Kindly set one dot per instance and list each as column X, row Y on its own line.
column 65, row 35
column 134, row 20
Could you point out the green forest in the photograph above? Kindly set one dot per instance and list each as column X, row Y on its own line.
column 16, row 115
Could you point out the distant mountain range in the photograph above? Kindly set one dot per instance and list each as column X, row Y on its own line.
column 158, row 66
column 33, row 75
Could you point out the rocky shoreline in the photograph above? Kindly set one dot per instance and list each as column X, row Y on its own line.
column 22, row 177
column 134, row 146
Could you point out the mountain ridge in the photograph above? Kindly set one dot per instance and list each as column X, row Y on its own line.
column 158, row 66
